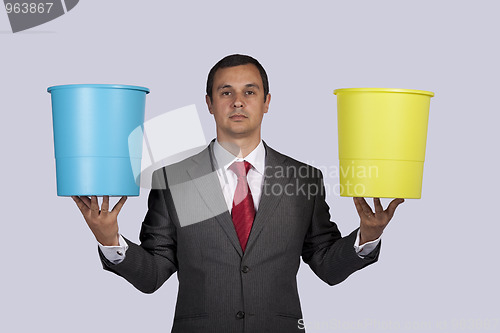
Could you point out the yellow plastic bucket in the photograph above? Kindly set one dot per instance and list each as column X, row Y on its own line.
column 382, row 136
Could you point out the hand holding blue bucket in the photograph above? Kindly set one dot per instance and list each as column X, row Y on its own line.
column 92, row 124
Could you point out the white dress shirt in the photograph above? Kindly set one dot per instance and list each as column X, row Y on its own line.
column 228, row 181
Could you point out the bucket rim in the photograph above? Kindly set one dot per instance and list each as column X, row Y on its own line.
column 102, row 86
column 388, row 90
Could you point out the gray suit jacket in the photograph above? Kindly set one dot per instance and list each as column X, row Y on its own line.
column 189, row 230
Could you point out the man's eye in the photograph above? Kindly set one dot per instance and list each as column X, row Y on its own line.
column 250, row 92
column 226, row 93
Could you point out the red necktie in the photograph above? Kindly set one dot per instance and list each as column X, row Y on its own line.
column 243, row 211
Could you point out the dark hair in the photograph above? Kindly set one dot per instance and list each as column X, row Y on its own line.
column 233, row 61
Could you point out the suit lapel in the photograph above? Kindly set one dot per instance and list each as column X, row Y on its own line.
column 274, row 180
column 207, row 183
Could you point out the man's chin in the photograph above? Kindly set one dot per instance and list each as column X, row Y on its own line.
column 239, row 127
column 241, row 133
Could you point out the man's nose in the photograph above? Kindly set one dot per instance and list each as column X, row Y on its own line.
column 238, row 101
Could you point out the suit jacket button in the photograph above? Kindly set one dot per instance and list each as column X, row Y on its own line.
column 240, row 315
column 245, row 269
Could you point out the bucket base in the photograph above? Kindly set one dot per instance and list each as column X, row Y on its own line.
column 86, row 176
column 381, row 178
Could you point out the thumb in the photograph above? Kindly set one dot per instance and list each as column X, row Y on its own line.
column 393, row 205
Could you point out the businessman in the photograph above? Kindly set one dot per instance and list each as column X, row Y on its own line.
column 234, row 220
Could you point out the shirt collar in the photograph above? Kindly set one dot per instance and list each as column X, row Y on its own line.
column 257, row 157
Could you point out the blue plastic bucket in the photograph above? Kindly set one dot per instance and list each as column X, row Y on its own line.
column 92, row 124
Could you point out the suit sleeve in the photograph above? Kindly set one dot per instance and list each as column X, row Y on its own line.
column 331, row 256
column 148, row 265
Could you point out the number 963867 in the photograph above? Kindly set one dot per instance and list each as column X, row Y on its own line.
column 28, row 7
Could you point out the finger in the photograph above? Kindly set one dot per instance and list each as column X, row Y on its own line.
column 366, row 208
column 393, row 205
column 358, row 206
column 378, row 205
column 119, row 205
column 105, row 205
column 85, row 200
column 81, row 205
column 363, row 208
column 94, row 207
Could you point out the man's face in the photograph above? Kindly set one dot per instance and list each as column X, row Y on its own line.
column 238, row 103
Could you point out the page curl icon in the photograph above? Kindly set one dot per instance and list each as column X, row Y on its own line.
column 26, row 14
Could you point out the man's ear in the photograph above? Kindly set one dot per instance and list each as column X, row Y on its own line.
column 209, row 103
column 266, row 103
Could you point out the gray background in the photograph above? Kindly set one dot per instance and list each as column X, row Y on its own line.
column 438, row 269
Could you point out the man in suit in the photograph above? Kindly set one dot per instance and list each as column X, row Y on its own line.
column 234, row 220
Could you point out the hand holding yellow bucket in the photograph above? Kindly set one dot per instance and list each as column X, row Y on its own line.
column 382, row 137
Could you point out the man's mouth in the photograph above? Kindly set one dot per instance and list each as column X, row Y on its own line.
column 238, row 116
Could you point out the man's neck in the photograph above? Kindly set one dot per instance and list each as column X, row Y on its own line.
column 239, row 147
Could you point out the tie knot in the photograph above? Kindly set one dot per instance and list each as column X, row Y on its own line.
column 240, row 168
